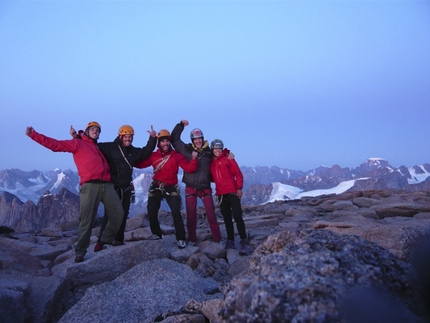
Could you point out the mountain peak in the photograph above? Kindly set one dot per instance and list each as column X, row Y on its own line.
column 374, row 163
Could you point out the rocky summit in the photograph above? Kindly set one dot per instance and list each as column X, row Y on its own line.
column 360, row 256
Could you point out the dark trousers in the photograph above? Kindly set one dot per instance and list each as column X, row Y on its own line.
column 230, row 205
column 124, row 195
column 173, row 199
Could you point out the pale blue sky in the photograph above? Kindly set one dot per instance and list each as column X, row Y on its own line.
column 296, row 84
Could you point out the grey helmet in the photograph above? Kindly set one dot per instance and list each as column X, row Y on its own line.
column 217, row 143
column 196, row 133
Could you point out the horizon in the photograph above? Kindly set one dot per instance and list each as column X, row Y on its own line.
column 149, row 169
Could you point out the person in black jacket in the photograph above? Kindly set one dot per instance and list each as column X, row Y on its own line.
column 198, row 184
column 121, row 156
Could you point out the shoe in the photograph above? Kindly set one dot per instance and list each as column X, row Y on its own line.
column 155, row 237
column 181, row 244
column 191, row 243
column 79, row 258
column 98, row 247
column 117, row 243
column 243, row 247
column 230, row 244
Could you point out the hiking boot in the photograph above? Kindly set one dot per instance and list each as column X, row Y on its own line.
column 98, row 247
column 117, row 243
column 230, row 244
column 155, row 237
column 191, row 243
column 181, row 244
column 243, row 247
column 79, row 258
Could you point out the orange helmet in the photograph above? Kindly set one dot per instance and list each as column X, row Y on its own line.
column 125, row 130
column 163, row 134
column 93, row 124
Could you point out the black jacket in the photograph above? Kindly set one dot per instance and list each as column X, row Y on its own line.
column 201, row 179
column 122, row 172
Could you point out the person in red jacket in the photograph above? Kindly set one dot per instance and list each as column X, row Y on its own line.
column 228, row 180
column 94, row 178
column 166, row 163
column 121, row 155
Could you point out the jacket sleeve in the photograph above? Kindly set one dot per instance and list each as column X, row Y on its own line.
column 177, row 143
column 146, row 151
column 145, row 163
column 104, row 148
column 54, row 144
column 187, row 166
column 235, row 169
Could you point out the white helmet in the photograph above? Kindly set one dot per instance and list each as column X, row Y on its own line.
column 196, row 133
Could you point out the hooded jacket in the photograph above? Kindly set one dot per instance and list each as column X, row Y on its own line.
column 166, row 166
column 89, row 160
column 121, row 166
column 226, row 174
column 201, row 179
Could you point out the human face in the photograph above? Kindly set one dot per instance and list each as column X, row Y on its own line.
column 126, row 140
column 198, row 142
column 94, row 132
column 164, row 145
column 217, row 151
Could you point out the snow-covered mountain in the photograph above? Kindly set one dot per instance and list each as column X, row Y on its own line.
column 262, row 184
column 374, row 173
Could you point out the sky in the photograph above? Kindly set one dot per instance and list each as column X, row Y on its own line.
column 293, row 84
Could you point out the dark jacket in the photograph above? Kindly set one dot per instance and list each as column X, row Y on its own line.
column 122, row 172
column 201, row 179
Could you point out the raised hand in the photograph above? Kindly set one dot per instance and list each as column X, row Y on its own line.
column 72, row 131
column 29, row 130
column 152, row 132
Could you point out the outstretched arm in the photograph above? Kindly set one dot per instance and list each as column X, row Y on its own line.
column 51, row 143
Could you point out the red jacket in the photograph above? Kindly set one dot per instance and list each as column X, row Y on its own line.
column 168, row 173
column 89, row 160
column 226, row 174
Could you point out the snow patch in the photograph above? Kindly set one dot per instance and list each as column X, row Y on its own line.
column 417, row 178
column 283, row 192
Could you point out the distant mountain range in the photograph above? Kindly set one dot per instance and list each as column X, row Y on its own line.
column 262, row 184
column 374, row 173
